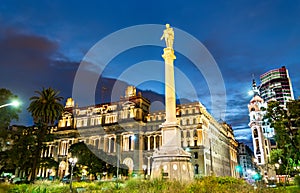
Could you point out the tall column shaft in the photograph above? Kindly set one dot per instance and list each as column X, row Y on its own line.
column 170, row 129
column 170, row 98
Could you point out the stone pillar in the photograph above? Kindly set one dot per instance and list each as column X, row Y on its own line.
column 148, row 140
column 169, row 58
column 171, row 161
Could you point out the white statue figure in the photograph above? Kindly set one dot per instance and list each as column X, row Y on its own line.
column 169, row 36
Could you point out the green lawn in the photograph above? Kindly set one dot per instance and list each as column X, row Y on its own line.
column 205, row 185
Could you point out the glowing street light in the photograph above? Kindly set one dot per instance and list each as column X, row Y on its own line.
column 72, row 161
column 14, row 103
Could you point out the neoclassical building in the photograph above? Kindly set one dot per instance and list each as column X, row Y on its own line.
column 128, row 129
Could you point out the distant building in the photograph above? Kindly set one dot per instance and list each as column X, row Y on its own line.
column 246, row 160
column 276, row 84
column 262, row 133
column 129, row 123
column 261, row 143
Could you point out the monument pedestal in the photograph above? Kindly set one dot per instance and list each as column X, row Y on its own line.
column 172, row 162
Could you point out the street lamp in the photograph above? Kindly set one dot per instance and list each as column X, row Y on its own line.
column 72, row 161
column 13, row 103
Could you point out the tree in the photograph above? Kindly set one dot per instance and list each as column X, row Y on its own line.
column 19, row 154
column 9, row 113
column 286, row 123
column 45, row 109
column 93, row 163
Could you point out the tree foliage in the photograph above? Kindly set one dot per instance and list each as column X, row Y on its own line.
column 45, row 109
column 286, row 123
column 9, row 113
column 93, row 164
column 20, row 152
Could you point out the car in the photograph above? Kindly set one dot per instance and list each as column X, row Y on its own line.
column 271, row 184
column 18, row 180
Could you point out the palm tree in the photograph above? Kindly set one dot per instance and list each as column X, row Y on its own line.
column 45, row 108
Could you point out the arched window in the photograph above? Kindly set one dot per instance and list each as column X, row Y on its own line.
column 255, row 134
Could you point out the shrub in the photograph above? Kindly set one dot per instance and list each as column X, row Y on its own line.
column 209, row 184
column 297, row 181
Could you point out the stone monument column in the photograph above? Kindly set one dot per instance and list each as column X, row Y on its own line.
column 171, row 161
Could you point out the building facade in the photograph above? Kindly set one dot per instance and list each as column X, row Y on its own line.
column 246, row 157
column 276, row 84
column 262, row 133
column 128, row 130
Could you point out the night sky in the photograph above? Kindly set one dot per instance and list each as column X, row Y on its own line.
column 43, row 43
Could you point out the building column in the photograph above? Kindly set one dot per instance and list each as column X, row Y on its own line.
column 132, row 142
column 105, row 144
column 149, row 165
column 115, row 144
column 109, row 141
column 148, row 140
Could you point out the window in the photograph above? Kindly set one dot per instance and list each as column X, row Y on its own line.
column 130, row 143
column 195, row 133
column 255, row 133
column 196, row 155
column 157, row 141
column 145, row 143
column 112, row 145
column 196, row 168
column 152, row 142
column 188, row 133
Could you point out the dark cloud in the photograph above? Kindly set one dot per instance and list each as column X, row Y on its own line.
column 28, row 64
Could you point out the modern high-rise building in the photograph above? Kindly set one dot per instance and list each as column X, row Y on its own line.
column 276, row 84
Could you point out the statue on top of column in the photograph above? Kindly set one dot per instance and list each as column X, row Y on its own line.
column 168, row 35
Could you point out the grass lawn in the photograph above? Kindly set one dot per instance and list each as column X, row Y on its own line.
column 204, row 185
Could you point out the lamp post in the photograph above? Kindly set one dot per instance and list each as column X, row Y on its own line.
column 72, row 161
column 145, row 171
column 13, row 103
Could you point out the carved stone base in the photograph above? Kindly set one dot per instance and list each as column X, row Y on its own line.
column 173, row 164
